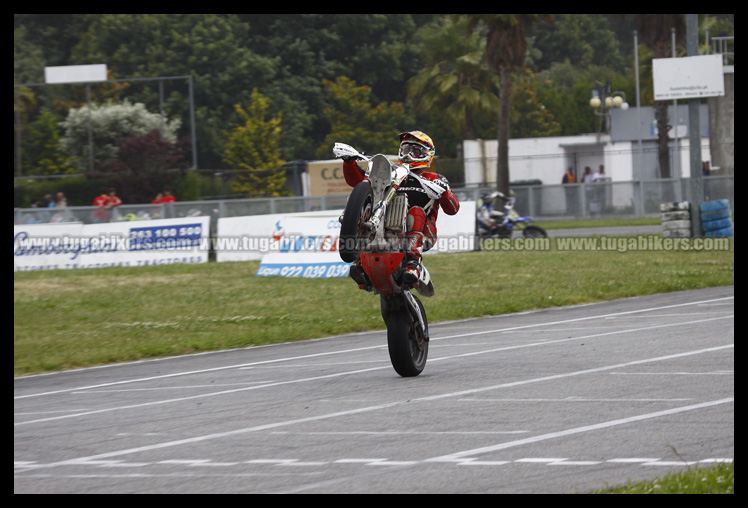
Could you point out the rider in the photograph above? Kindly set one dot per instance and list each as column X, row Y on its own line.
column 488, row 212
column 417, row 150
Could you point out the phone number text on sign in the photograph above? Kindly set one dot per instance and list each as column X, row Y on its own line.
column 311, row 271
column 165, row 237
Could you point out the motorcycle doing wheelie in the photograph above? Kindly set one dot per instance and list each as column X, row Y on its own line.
column 373, row 230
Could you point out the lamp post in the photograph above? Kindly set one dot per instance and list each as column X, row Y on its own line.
column 603, row 100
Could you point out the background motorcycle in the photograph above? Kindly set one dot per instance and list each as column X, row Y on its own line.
column 373, row 229
column 502, row 225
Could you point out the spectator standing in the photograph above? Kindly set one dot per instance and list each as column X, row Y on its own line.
column 571, row 192
column 61, row 201
column 100, row 214
column 587, row 176
column 598, row 203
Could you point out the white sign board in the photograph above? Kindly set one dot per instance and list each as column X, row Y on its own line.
column 289, row 245
column 691, row 77
column 136, row 243
column 75, row 74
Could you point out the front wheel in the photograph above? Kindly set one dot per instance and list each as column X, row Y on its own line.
column 534, row 232
column 353, row 233
column 407, row 343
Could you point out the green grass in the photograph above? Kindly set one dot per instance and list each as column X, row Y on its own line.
column 600, row 223
column 719, row 479
column 76, row 318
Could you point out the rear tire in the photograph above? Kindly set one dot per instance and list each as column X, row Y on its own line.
column 358, row 210
column 407, row 346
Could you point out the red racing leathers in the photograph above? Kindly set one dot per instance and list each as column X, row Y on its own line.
column 422, row 212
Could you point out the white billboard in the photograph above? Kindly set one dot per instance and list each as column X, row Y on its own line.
column 75, row 74
column 691, row 77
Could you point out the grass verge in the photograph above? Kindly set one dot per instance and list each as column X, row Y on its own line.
column 77, row 318
column 718, row 479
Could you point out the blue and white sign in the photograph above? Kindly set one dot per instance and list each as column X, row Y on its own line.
column 305, row 246
column 290, row 245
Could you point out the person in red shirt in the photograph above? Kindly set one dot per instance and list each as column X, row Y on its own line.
column 100, row 214
column 112, row 199
column 101, row 200
column 417, row 150
column 168, row 197
column 105, row 204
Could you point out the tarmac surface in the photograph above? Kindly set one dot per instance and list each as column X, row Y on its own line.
column 563, row 400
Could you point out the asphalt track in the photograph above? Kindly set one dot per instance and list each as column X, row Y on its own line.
column 565, row 400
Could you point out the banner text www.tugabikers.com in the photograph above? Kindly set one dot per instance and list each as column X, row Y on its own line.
column 640, row 243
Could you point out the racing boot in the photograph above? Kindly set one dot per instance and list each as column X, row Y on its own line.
column 412, row 271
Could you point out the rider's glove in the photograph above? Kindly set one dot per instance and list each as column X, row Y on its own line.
column 349, row 158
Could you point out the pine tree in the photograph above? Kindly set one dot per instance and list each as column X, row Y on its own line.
column 253, row 147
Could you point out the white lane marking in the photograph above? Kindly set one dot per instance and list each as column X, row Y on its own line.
column 578, row 430
column 634, row 460
column 715, row 373
column 571, row 399
column 467, row 461
column 402, row 433
column 275, row 425
column 244, row 365
column 340, row 374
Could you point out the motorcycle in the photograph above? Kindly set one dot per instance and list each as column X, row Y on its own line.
column 373, row 230
column 492, row 223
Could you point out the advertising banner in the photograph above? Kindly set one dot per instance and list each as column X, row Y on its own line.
column 306, row 244
column 289, row 245
column 137, row 243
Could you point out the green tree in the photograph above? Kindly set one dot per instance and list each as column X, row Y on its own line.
column 355, row 121
column 254, row 146
column 581, row 39
column 530, row 117
column 42, row 154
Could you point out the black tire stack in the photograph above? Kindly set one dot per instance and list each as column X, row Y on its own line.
column 676, row 219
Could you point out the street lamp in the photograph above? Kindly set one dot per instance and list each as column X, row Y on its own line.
column 603, row 100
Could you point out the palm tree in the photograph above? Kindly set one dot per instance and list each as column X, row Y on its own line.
column 656, row 30
column 506, row 46
column 455, row 79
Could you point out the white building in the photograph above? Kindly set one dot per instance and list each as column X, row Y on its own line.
column 625, row 157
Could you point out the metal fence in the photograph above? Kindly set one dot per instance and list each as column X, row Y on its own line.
column 543, row 202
